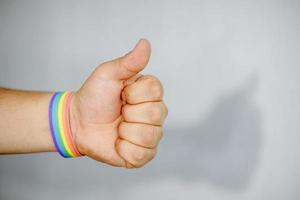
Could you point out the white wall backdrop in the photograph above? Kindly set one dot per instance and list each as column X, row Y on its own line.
column 231, row 74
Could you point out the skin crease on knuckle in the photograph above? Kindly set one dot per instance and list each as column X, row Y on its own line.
column 151, row 136
column 141, row 134
column 142, row 155
column 155, row 88
column 156, row 112
column 145, row 89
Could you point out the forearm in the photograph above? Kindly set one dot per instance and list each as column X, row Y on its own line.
column 24, row 126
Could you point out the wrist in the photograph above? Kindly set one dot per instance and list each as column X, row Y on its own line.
column 74, row 121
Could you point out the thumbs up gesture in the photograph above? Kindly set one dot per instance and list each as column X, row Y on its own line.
column 117, row 115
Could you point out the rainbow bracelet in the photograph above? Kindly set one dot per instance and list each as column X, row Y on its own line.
column 60, row 124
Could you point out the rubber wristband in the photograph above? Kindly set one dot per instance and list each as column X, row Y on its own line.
column 60, row 124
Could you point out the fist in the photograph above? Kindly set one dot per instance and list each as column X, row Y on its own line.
column 117, row 115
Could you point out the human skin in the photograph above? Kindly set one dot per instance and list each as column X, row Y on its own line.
column 116, row 117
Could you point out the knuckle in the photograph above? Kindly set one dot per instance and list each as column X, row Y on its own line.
column 165, row 109
column 140, row 155
column 156, row 90
column 139, row 165
column 155, row 113
column 148, row 77
column 155, row 87
column 160, row 134
column 147, row 155
column 150, row 137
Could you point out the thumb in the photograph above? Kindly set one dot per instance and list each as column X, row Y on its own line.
column 128, row 65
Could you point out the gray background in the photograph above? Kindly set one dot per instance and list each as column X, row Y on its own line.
column 231, row 76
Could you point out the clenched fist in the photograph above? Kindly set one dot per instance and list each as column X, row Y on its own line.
column 117, row 115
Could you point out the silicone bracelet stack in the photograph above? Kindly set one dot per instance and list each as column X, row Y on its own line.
column 60, row 124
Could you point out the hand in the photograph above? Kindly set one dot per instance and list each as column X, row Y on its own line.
column 117, row 115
